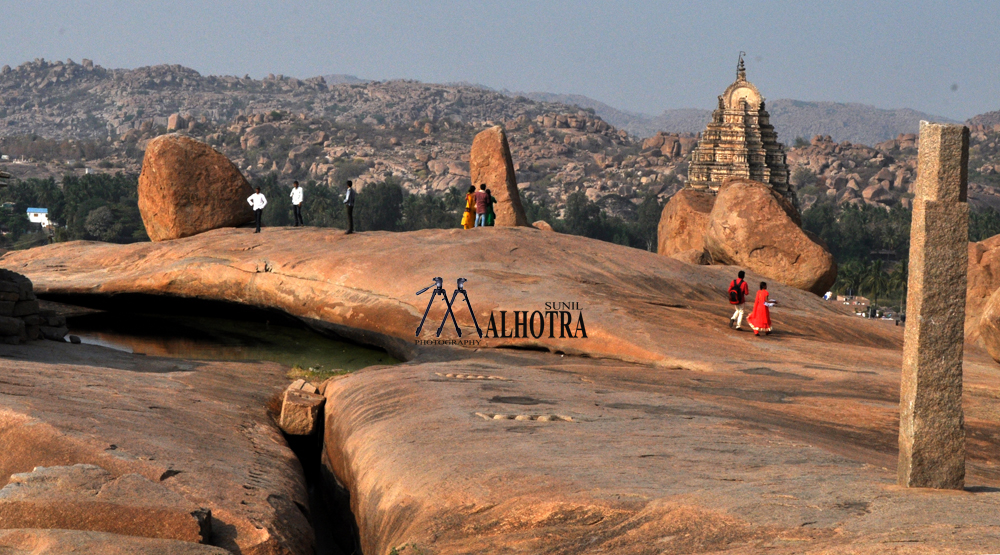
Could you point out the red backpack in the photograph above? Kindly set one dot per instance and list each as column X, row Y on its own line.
column 736, row 292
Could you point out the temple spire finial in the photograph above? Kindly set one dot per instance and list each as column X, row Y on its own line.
column 741, row 70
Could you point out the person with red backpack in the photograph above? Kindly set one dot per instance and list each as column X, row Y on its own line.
column 738, row 291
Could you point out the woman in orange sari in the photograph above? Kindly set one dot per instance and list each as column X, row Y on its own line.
column 760, row 318
column 469, row 218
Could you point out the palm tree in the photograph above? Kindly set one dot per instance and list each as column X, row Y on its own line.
column 849, row 278
column 876, row 281
column 899, row 280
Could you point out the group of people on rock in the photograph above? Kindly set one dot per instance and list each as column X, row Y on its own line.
column 258, row 201
column 760, row 317
column 478, row 208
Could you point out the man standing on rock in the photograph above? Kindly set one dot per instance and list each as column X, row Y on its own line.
column 297, row 203
column 482, row 199
column 257, row 202
column 349, row 203
column 738, row 291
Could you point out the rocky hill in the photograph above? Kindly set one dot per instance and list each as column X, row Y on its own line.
column 60, row 117
column 65, row 117
column 857, row 123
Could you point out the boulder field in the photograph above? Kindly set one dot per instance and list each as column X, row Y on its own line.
column 661, row 431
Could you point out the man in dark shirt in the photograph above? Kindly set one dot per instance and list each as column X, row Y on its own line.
column 349, row 203
column 738, row 291
column 482, row 199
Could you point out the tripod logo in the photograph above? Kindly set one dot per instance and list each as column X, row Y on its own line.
column 439, row 290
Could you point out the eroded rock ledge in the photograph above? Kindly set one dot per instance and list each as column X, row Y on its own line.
column 635, row 304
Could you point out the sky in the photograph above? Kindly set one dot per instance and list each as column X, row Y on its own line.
column 938, row 57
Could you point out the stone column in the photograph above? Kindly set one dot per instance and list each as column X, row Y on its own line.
column 932, row 426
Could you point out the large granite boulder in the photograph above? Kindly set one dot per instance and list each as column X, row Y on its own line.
column 491, row 164
column 984, row 279
column 756, row 228
column 186, row 187
column 989, row 325
column 682, row 226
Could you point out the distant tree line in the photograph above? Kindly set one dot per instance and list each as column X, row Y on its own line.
column 871, row 245
column 101, row 207
column 386, row 206
column 104, row 207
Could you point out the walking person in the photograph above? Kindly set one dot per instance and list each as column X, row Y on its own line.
column 470, row 205
column 482, row 199
column 760, row 318
column 738, row 291
column 297, row 203
column 490, row 214
column 257, row 202
column 349, row 203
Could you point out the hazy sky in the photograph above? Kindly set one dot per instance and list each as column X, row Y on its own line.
column 942, row 58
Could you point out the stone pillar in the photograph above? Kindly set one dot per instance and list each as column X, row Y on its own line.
column 932, row 426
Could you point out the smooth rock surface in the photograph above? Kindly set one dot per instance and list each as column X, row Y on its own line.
column 186, row 187
column 683, row 222
column 87, row 497
column 364, row 285
column 711, row 441
column 63, row 542
column 754, row 227
column 198, row 429
column 490, row 163
column 772, row 446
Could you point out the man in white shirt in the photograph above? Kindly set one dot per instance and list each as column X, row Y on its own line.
column 349, row 203
column 297, row 203
column 257, row 202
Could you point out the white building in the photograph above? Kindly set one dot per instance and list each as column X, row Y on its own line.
column 39, row 216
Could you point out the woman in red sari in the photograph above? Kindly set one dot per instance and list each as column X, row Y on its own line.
column 760, row 318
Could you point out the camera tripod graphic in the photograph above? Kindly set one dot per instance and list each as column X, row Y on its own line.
column 439, row 290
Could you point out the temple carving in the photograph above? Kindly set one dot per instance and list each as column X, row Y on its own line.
column 739, row 142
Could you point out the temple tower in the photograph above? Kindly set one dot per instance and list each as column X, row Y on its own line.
column 739, row 142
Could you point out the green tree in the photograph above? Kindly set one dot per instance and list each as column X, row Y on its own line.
column 379, row 207
column 875, row 282
column 850, row 277
column 647, row 222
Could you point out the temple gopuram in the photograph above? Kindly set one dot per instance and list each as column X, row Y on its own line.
column 739, row 142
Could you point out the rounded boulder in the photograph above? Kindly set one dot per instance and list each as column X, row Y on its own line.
column 683, row 222
column 186, row 187
column 758, row 229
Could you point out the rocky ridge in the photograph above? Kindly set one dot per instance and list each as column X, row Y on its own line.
column 65, row 117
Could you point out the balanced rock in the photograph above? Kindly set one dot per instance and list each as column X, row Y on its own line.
column 682, row 226
column 755, row 227
column 186, row 188
column 490, row 163
column 543, row 225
